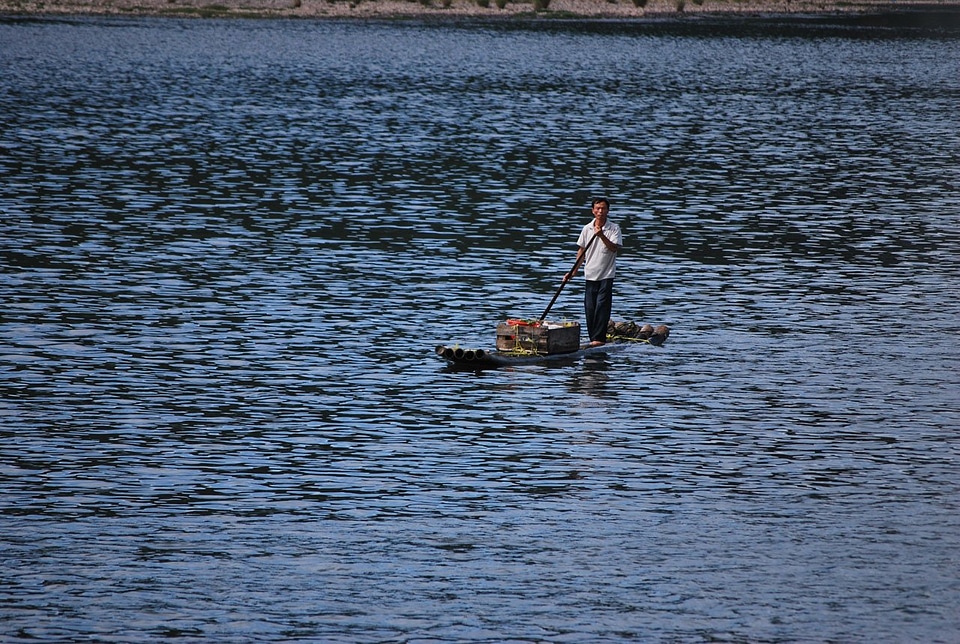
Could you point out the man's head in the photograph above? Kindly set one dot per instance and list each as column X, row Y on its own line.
column 600, row 209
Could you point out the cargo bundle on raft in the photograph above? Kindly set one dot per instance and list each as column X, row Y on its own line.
column 521, row 341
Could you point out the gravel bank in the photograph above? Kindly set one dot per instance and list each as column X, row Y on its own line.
column 430, row 9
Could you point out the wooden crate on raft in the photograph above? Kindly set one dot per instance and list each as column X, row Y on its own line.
column 545, row 338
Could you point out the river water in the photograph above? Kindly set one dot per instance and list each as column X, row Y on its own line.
column 229, row 249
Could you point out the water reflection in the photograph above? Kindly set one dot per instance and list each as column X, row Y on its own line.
column 592, row 379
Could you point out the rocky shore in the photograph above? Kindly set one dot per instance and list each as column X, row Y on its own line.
column 440, row 9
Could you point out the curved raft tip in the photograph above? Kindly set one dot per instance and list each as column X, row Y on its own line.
column 660, row 335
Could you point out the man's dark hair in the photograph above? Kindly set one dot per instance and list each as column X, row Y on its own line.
column 600, row 200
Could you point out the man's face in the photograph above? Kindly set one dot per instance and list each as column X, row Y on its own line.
column 600, row 211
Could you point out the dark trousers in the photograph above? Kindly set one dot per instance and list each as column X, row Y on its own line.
column 597, row 304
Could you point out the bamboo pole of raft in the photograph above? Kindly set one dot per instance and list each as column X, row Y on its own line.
column 573, row 271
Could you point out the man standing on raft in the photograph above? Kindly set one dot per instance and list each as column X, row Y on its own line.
column 598, row 244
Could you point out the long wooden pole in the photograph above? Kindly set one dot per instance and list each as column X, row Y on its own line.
column 573, row 271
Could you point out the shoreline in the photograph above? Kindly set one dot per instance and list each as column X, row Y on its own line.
column 467, row 9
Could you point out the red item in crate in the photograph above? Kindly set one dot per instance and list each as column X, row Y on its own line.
column 519, row 322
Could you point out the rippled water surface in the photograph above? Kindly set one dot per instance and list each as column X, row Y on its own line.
column 228, row 250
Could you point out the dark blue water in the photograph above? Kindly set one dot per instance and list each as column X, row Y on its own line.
column 228, row 250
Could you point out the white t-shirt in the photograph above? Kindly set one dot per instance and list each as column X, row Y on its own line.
column 600, row 262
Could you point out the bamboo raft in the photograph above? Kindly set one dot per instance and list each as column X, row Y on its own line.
column 525, row 342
